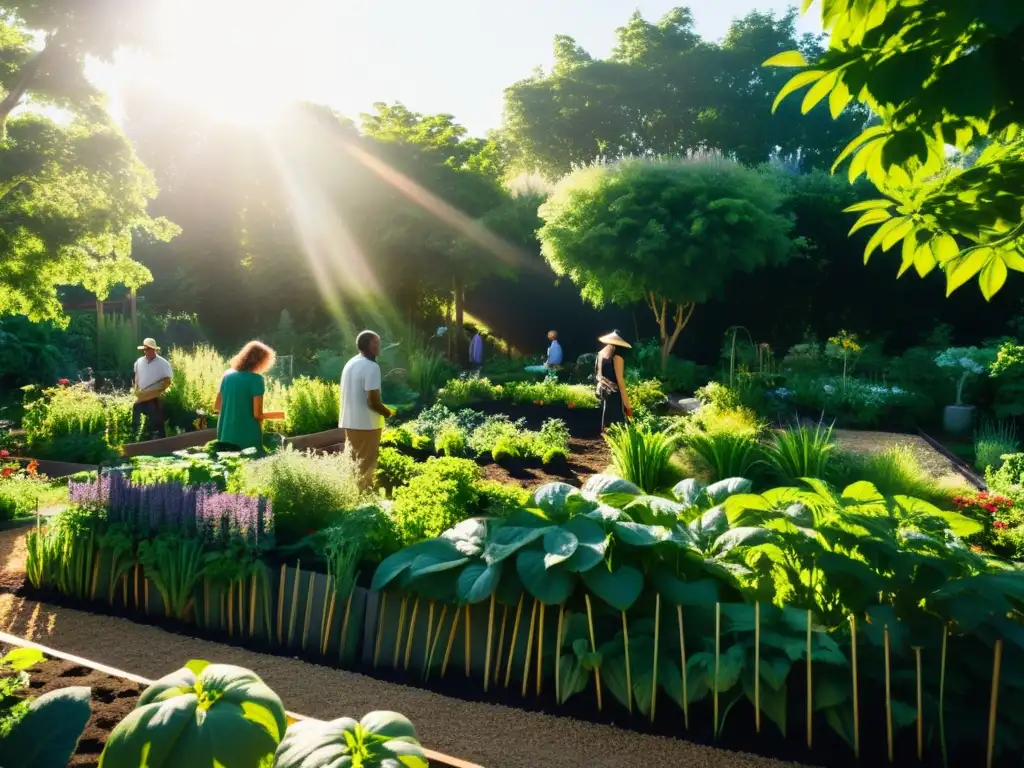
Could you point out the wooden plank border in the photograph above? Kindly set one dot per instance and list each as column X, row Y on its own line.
column 434, row 757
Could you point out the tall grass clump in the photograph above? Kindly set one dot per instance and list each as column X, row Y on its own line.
column 428, row 372
column 195, row 381
column 312, row 406
column 992, row 441
column 74, row 423
column 894, row 471
column 725, row 454
column 800, row 451
column 639, row 456
column 118, row 346
column 307, row 490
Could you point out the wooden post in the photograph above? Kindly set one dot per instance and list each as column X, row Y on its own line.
column 133, row 310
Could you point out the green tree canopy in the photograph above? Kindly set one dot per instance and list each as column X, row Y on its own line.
column 668, row 233
column 941, row 75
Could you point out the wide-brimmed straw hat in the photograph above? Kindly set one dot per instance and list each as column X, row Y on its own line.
column 615, row 340
column 149, row 344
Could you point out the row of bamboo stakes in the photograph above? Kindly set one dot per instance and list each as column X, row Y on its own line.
column 537, row 613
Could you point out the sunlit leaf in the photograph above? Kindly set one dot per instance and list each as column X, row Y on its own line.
column 818, row 92
column 786, row 59
column 966, row 266
column 992, row 277
column 799, row 80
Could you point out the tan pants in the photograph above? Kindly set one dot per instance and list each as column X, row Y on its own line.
column 365, row 449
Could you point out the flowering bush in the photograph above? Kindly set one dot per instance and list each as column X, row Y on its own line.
column 965, row 362
column 21, row 489
column 1002, row 517
column 75, row 423
column 859, row 403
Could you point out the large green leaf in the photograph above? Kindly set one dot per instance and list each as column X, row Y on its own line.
column 477, row 581
column 508, row 540
column 424, row 565
column 703, row 592
column 610, row 489
column 552, row 586
column 740, row 537
column 688, row 491
column 723, row 489
column 638, row 535
column 619, row 588
column 21, row 659
column 555, row 499
column 654, row 510
column 47, row 735
column 559, row 545
column 592, row 542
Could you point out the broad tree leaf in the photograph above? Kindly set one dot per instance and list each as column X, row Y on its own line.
column 619, row 588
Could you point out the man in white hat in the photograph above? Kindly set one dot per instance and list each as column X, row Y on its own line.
column 152, row 378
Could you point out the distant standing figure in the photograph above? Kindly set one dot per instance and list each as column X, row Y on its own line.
column 476, row 352
column 610, row 374
column 554, row 351
column 152, row 378
column 240, row 398
column 362, row 411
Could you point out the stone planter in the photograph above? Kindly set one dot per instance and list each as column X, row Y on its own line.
column 958, row 419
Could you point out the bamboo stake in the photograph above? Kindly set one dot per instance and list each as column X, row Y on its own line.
column 856, row 692
column 810, row 690
column 920, row 706
column 718, row 651
column 993, row 706
column 343, row 640
column 330, row 620
column 280, row 607
column 515, row 634
column 942, row 694
column 231, row 609
column 888, row 695
column 501, row 643
column 124, row 588
column 467, row 643
column 380, row 626
column 629, row 673
column 136, row 586
column 558, row 654
column 682, row 660
column 540, row 646
column 241, row 606
column 490, row 637
column 757, row 666
column 221, row 614
column 451, row 641
column 401, row 626
column 430, row 634
column 529, row 646
column 654, row 671
column 292, row 615
column 206, row 602
column 145, row 593
column 437, row 639
column 593, row 649
column 252, row 606
column 324, row 626
column 309, row 608
column 412, row 633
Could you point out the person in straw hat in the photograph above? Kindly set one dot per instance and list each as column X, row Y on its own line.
column 610, row 375
column 152, row 378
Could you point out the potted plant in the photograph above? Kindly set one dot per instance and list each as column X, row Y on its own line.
column 964, row 362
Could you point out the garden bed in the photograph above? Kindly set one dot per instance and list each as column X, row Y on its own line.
column 869, row 442
column 587, row 457
column 489, row 734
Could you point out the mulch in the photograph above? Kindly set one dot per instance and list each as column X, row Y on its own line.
column 587, row 457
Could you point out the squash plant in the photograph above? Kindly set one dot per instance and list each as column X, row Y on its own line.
column 203, row 715
column 379, row 740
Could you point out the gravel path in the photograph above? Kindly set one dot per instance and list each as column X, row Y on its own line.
column 933, row 462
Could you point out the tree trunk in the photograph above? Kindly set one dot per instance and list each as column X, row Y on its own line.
column 681, row 316
column 13, row 97
column 460, row 300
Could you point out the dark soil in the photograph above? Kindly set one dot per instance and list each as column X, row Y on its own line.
column 112, row 699
column 587, row 457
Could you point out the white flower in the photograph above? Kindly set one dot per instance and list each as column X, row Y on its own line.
column 829, row 389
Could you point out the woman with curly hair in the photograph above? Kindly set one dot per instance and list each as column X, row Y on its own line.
column 240, row 399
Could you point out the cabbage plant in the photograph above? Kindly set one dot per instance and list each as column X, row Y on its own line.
column 202, row 716
column 379, row 740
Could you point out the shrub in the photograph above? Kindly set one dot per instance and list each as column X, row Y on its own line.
column 307, row 490
column 717, row 419
column 394, row 469
column 513, row 437
column 312, row 406
column 993, row 440
column 856, row 403
column 1008, row 372
column 641, row 457
column 461, row 392
column 549, row 392
column 554, row 456
column 22, row 491
column 450, row 441
column 428, row 372
column 74, row 423
column 443, row 493
column 717, row 395
column 554, row 435
column 195, row 381
column 645, row 395
column 1009, row 475
column 799, row 452
column 497, row 499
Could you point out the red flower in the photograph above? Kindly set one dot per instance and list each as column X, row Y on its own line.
column 990, row 508
column 4, row 454
column 999, row 525
column 7, row 472
column 32, row 467
column 64, row 382
column 538, row 402
column 572, row 405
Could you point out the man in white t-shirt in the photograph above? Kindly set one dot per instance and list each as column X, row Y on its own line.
column 362, row 411
column 152, row 378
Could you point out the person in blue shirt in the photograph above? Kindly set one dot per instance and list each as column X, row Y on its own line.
column 554, row 351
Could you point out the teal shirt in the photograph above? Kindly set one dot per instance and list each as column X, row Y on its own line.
column 236, row 424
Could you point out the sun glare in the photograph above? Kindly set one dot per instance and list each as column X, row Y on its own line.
column 236, row 60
